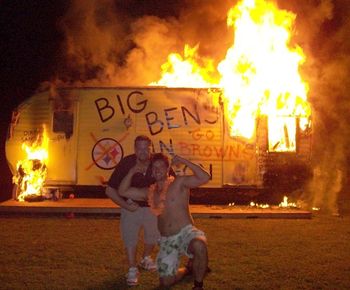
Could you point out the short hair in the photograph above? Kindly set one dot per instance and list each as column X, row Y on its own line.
column 142, row 138
column 160, row 156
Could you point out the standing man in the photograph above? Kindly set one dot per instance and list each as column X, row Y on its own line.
column 135, row 214
column 169, row 200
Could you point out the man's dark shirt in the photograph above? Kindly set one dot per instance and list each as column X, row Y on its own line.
column 138, row 180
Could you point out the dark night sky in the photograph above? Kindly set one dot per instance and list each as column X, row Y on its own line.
column 31, row 49
column 35, row 36
column 29, row 46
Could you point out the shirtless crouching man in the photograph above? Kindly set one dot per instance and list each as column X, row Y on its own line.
column 169, row 200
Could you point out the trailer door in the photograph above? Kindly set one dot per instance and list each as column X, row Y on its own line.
column 63, row 141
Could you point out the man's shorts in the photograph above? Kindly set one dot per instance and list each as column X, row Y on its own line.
column 131, row 223
column 173, row 247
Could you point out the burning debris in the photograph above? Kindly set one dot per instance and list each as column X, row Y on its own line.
column 253, row 204
column 30, row 176
column 284, row 204
column 32, row 170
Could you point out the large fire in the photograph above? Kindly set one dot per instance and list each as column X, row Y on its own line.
column 32, row 170
column 259, row 75
column 188, row 71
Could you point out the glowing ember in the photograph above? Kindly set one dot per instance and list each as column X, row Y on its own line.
column 32, row 171
column 253, row 204
column 259, row 75
column 285, row 203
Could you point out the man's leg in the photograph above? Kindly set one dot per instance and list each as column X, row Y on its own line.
column 198, row 248
column 131, row 255
column 148, row 249
column 147, row 263
column 130, row 227
column 168, row 259
column 151, row 237
column 171, row 280
column 132, row 275
column 189, row 266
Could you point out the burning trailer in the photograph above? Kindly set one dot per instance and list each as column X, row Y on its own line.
column 245, row 117
column 84, row 132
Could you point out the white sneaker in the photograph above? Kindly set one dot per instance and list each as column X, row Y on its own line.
column 148, row 264
column 132, row 277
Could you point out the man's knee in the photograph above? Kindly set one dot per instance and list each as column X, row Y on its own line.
column 198, row 246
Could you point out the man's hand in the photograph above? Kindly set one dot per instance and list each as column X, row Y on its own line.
column 132, row 206
column 199, row 177
column 138, row 168
column 177, row 160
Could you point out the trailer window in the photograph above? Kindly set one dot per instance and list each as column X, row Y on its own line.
column 282, row 134
column 63, row 123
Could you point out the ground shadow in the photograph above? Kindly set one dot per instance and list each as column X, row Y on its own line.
column 119, row 283
column 116, row 283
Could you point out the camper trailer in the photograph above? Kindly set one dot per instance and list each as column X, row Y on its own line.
column 89, row 130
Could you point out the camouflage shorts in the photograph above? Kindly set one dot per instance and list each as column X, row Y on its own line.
column 173, row 247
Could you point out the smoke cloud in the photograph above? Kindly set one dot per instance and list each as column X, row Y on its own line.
column 323, row 32
column 124, row 43
column 106, row 45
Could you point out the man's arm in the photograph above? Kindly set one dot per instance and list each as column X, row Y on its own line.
column 199, row 177
column 114, row 181
column 112, row 193
column 131, row 192
column 135, row 193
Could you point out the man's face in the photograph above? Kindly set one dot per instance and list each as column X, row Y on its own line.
column 143, row 150
column 159, row 170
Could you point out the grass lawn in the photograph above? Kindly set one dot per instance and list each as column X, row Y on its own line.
column 87, row 253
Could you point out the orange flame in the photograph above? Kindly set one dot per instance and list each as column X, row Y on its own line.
column 259, row 75
column 186, row 71
column 32, row 171
column 286, row 203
